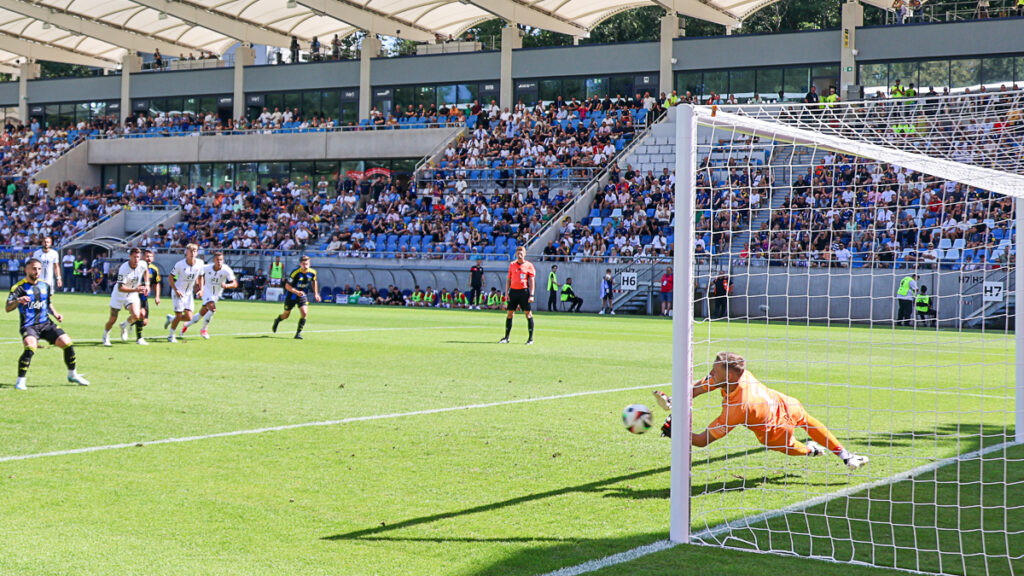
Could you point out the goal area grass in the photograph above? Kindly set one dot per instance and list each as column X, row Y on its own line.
column 408, row 441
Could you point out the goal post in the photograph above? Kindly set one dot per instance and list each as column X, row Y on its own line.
column 844, row 233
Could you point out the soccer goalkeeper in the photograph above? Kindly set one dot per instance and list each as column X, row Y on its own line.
column 769, row 414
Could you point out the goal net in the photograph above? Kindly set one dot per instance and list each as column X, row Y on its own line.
column 865, row 273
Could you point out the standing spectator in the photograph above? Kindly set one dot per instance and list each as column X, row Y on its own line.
column 569, row 296
column 13, row 270
column 314, row 49
column 607, row 292
column 720, row 303
column 905, row 295
column 982, row 9
column 294, row 49
column 553, row 289
column 476, row 283
column 68, row 263
column 698, row 300
column 276, row 272
column 158, row 60
column 336, row 47
column 667, row 280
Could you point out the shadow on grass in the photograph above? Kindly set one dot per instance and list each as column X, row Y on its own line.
column 735, row 485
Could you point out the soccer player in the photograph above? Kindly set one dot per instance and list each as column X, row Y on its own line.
column 216, row 278
column 51, row 263
column 769, row 414
column 33, row 299
column 131, row 283
column 296, row 285
column 154, row 285
column 519, row 288
column 186, row 279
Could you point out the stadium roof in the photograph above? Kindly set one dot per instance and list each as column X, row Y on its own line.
column 98, row 32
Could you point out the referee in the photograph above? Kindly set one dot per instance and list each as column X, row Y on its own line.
column 519, row 291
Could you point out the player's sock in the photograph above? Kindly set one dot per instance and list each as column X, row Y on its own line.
column 25, row 361
column 844, row 454
column 508, row 327
column 138, row 329
column 207, row 318
column 302, row 324
column 529, row 324
column 70, row 359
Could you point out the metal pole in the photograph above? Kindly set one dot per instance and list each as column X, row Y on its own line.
column 682, row 323
column 1018, row 323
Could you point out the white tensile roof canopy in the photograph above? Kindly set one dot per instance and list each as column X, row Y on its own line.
column 98, row 32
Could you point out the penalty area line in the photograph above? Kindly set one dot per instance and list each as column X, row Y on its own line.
column 709, row 536
column 251, row 431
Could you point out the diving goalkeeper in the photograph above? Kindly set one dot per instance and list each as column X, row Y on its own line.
column 769, row 414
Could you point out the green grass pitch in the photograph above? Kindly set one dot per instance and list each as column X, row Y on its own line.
column 519, row 483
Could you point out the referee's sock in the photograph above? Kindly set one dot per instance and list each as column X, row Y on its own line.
column 508, row 327
column 529, row 323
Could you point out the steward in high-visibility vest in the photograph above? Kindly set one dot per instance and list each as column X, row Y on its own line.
column 553, row 289
column 429, row 297
column 832, row 97
column 904, row 288
column 446, row 299
column 460, row 299
column 417, row 296
column 276, row 272
column 897, row 90
column 923, row 303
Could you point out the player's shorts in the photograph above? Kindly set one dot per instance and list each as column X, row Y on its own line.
column 144, row 303
column 183, row 304
column 121, row 300
column 666, row 297
column 519, row 298
column 210, row 296
column 47, row 331
column 291, row 301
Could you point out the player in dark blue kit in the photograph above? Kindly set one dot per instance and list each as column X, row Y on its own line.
column 32, row 297
column 296, row 284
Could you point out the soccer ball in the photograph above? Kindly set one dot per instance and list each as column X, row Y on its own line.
column 637, row 418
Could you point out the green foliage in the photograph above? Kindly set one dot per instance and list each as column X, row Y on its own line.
column 62, row 70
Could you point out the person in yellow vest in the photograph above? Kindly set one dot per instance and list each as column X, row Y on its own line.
column 429, row 297
column 897, row 90
column 416, row 298
column 276, row 272
column 1020, row 7
column 493, row 299
column 446, row 299
column 923, row 304
column 569, row 296
column 905, row 295
column 460, row 299
column 553, row 289
column 831, row 98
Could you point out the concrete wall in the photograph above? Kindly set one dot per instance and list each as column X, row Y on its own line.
column 434, row 69
column 169, row 83
column 750, row 50
column 73, row 166
column 270, row 147
column 72, row 89
column 344, row 74
column 952, row 40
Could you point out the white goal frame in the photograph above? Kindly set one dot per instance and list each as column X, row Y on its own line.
column 683, row 324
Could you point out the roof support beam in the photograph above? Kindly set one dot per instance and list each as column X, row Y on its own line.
column 512, row 11
column 218, row 22
column 369, row 20
column 40, row 51
column 699, row 10
column 94, row 28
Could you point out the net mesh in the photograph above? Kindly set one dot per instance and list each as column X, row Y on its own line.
column 868, row 285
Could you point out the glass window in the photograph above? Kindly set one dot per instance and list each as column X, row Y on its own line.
column 310, row 104
column 874, row 78
column 127, row 172
column 178, row 173
column 326, row 170
column 621, row 85
column 597, row 87
column 933, row 74
column 349, row 168
column 84, row 111
column 741, row 84
column 222, row 173
column 200, row 174
column 769, row 82
column 272, row 171
column 465, row 94
column 716, row 81
column 157, row 106
column 996, row 72
column 349, row 113
column 573, row 88
column 302, row 172
column 796, row 82
column 905, row 72
column 426, row 95
column 153, row 174
column 445, row 94
column 830, row 72
column 67, row 115
column 191, row 106
column 293, row 100
column 405, row 96
column 245, row 173
column 965, row 73
column 1018, row 75
column 688, row 82
column 271, row 101
column 549, row 90
column 330, row 102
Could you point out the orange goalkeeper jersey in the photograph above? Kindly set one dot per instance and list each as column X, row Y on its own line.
column 758, row 407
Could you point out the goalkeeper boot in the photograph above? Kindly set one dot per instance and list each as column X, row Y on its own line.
column 666, row 428
column 815, row 448
column 664, row 400
column 856, row 462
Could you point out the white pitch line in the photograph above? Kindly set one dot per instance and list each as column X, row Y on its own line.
column 714, row 532
column 88, row 449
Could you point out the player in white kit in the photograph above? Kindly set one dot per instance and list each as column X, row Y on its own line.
column 216, row 278
column 186, row 280
column 131, row 282
column 50, row 260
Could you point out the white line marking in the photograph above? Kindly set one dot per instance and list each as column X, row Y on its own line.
column 714, row 532
column 320, row 423
column 621, row 557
